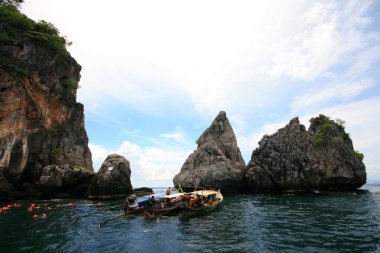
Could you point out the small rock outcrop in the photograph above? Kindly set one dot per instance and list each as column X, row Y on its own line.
column 112, row 179
column 41, row 123
column 295, row 159
column 217, row 162
column 143, row 189
column 64, row 180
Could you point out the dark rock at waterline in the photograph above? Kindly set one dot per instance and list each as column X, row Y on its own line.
column 217, row 162
column 112, row 180
column 142, row 189
column 65, row 179
column 6, row 189
column 295, row 159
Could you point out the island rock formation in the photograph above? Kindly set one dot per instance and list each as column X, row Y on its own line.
column 41, row 123
column 112, row 179
column 295, row 159
column 217, row 161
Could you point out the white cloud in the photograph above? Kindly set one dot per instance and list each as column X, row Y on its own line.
column 363, row 61
column 330, row 93
column 322, row 38
column 373, row 170
column 211, row 53
column 374, row 36
column 177, row 138
column 99, row 154
column 150, row 166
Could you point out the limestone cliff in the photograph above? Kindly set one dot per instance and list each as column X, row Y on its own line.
column 217, row 161
column 296, row 159
column 40, row 121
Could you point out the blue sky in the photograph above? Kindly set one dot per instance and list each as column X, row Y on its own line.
column 156, row 73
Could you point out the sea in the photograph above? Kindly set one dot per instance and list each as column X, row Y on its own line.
column 320, row 222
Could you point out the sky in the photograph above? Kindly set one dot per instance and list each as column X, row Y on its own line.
column 156, row 73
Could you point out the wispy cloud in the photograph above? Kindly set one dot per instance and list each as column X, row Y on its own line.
column 331, row 92
column 178, row 137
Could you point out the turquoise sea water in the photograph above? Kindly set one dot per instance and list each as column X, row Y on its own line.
column 326, row 222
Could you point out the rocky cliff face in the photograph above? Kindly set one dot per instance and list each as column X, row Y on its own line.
column 216, row 162
column 112, row 179
column 40, row 121
column 294, row 159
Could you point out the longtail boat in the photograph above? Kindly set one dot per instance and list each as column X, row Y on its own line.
column 199, row 202
column 165, row 205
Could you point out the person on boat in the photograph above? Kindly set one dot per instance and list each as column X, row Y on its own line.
column 152, row 201
column 179, row 189
column 168, row 191
column 192, row 202
column 199, row 201
column 126, row 207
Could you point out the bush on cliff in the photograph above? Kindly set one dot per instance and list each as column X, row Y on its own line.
column 326, row 131
column 16, row 28
column 71, row 83
column 359, row 155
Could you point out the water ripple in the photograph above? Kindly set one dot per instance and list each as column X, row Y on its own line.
column 334, row 222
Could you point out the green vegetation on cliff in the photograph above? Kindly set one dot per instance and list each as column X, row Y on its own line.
column 71, row 83
column 327, row 130
column 359, row 155
column 325, row 124
column 16, row 29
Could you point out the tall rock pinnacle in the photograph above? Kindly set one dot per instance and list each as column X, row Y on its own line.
column 217, row 162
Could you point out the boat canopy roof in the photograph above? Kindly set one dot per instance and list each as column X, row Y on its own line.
column 205, row 192
column 174, row 195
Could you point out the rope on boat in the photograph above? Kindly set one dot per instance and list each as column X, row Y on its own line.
column 103, row 223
